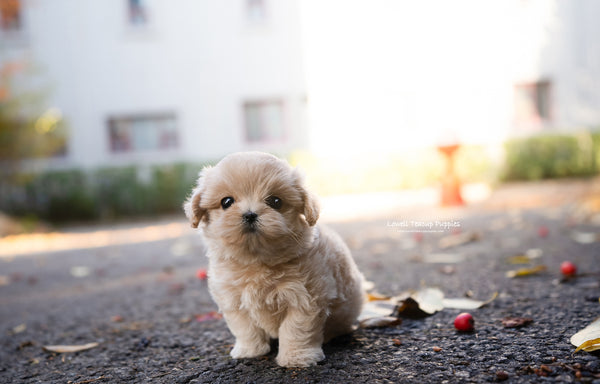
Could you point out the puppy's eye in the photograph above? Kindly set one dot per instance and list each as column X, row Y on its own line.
column 274, row 202
column 226, row 202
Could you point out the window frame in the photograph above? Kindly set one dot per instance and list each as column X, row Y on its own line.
column 539, row 99
column 266, row 135
column 157, row 121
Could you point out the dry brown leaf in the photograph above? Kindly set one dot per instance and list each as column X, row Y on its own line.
column 69, row 348
column 410, row 308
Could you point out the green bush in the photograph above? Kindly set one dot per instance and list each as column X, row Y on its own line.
column 108, row 193
column 552, row 156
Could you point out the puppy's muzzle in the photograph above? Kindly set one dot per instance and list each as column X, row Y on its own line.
column 250, row 220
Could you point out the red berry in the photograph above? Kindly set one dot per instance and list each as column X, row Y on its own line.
column 543, row 231
column 568, row 269
column 464, row 322
column 201, row 274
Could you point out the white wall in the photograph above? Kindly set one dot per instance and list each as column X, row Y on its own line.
column 197, row 58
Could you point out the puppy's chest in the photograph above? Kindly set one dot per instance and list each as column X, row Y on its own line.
column 263, row 292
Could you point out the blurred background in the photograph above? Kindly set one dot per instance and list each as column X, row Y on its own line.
column 109, row 108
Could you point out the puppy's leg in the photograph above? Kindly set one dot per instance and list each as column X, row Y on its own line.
column 250, row 340
column 300, row 339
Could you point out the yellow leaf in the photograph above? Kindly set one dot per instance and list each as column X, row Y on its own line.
column 588, row 339
column 589, row 346
column 526, row 271
column 376, row 296
column 519, row 259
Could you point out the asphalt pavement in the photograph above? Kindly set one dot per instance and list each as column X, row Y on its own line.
column 135, row 296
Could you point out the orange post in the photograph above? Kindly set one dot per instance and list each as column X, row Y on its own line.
column 450, row 183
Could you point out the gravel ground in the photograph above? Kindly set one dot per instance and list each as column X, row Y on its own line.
column 153, row 318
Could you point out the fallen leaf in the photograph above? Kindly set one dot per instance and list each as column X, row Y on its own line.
column 378, row 322
column 525, row 258
column 208, row 316
column 417, row 304
column 437, row 349
column 518, row 259
column 80, row 271
column 18, row 329
column 374, row 296
column 457, row 239
column 465, row 303
column 430, row 300
column 590, row 345
column 409, row 308
column 588, row 339
column 516, row 322
column 377, row 309
column 526, row 271
column 584, row 237
column 69, row 348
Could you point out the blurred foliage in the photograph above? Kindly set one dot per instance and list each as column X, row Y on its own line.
column 133, row 191
column 552, row 156
column 106, row 194
column 409, row 169
column 25, row 132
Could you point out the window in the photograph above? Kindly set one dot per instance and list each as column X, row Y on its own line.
column 143, row 133
column 138, row 12
column 264, row 120
column 532, row 103
column 10, row 15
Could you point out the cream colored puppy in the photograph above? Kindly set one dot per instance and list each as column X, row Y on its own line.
column 272, row 272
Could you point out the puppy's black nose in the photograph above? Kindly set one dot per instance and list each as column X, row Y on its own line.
column 249, row 217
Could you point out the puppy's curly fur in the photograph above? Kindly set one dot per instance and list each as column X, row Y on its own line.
column 272, row 271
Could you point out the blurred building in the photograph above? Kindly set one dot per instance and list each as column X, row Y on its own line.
column 151, row 81
column 396, row 74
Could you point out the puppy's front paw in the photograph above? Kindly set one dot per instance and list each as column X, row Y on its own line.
column 241, row 351
column 300, row 357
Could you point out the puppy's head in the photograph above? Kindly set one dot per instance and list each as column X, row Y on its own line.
column 253, row 202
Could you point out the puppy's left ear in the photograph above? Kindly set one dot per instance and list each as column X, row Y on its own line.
column 192, row 208
column 311, row 208
column 310, row 203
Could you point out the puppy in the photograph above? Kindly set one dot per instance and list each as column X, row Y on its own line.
column 272, row 272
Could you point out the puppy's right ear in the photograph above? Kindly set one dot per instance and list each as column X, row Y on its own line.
column 192, row 208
